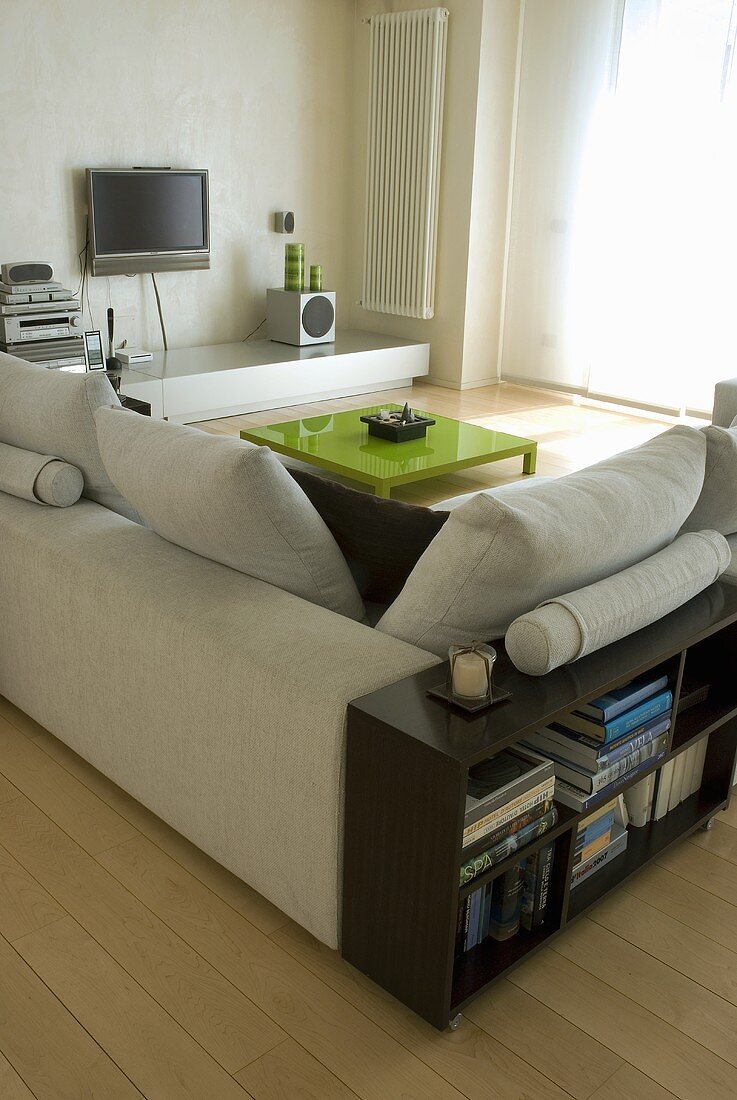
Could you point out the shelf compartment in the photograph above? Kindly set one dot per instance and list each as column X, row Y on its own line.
column 644, row 845
column 491, row 959
column 702, row 719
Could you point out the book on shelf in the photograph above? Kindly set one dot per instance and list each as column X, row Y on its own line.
column 501, row 790
column 616, row 702
column 617, row 845
column 508, row 844
column 593, row 783
column 513, row 825
column 590, row 755
column 625, row 723
column 679, row 778
column 592, row 836
column 535, row 887
column 579, row 800
column 506, row 903
column 500, row 780
column 639, row 801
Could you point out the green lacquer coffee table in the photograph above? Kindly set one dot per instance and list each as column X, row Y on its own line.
column 341, row 443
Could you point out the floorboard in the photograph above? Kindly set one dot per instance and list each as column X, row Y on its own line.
column 132, row 964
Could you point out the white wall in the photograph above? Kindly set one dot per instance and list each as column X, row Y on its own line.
column 257, row 91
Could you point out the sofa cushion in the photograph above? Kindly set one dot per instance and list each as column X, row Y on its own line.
column 716, row 508
column 52, row 412
column 569, row 627
column 496, row 559
column 382, row 540
column 227, row 500
column 40, row 478
column 510, row 487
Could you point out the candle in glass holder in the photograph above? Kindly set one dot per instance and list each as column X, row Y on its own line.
column 470, row 676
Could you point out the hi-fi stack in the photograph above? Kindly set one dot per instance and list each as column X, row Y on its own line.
column 40, row 320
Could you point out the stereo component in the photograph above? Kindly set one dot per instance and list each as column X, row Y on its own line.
column 29, row 288
column 301, row 317
column 17, row 299
column 26, row 327
column 26, row 271
column 67, row 305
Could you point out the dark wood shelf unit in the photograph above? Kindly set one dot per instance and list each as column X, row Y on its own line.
column 407, row 764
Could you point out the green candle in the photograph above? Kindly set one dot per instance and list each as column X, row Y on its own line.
column 294, row 267
column 315, row 277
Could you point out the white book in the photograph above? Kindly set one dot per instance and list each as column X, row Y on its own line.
column 637, row 799
column 679, row 766
column 662, row 793
column 620, row 813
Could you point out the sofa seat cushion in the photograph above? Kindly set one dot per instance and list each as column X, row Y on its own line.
column 52, row 413
column 229, row 501
column 567, row 628
column 716, row 508
column 497, row 558
column 40, row 478
column 215, row 699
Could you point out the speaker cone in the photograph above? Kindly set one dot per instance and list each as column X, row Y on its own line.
column 318, row 316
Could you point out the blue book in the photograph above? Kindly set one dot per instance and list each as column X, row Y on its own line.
column 587, row 755
column 589, row 833
column 610, row 706
column 474, row 919
column 626, row 723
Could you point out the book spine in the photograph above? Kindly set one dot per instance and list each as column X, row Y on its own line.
column 619, row 706
column 507, row 813
column 498, row 852
column 639, row 716
column 473, row 920
column 617, row 846
column 637, row 742
column 628, row 763
column 498, row 799
column 506, row 902
column 535, row 888
column 512, row 826
column 578, row 801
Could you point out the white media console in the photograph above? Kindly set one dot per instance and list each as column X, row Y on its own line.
column 191, row 384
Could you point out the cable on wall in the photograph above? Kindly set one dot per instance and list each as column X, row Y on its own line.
column 161, row 316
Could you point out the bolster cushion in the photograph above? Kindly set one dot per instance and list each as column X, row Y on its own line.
column 562, row 630
column 41, row 478
column 53, row 411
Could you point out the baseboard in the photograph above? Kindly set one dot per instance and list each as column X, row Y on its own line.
column 447, row 384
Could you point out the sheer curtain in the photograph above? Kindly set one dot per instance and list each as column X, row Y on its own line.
column 621, row 271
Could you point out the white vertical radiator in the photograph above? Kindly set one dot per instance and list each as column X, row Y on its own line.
column 405, row 120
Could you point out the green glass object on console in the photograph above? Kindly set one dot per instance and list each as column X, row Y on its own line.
column 315, row 277
column 294, row 266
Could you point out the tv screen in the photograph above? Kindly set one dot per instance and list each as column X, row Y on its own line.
column 137, row 216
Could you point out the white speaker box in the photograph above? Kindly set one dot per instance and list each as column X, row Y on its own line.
column 301, row 317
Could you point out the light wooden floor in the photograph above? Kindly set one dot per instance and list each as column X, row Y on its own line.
column 131, row 964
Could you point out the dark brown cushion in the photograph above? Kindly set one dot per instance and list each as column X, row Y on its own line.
column 381, row 540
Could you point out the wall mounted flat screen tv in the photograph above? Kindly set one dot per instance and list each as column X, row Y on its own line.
column 148, row 220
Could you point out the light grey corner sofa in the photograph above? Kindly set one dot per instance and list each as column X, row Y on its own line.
column 194, row 637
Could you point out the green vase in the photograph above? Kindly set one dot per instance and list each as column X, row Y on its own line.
column 294, row 267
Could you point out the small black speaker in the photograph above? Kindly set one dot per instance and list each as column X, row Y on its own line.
column 284, row 221
column 27, row 271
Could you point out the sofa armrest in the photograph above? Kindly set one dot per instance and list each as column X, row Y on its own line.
column 725, row 403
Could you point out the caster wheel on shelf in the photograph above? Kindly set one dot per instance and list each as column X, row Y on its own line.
column 708, row 824
column 456, row 1022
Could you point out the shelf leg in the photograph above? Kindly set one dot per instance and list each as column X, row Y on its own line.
column 456, row 1022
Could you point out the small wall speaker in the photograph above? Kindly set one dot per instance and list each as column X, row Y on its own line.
column 27, row 271
column 284, row 221
column 301, row 317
